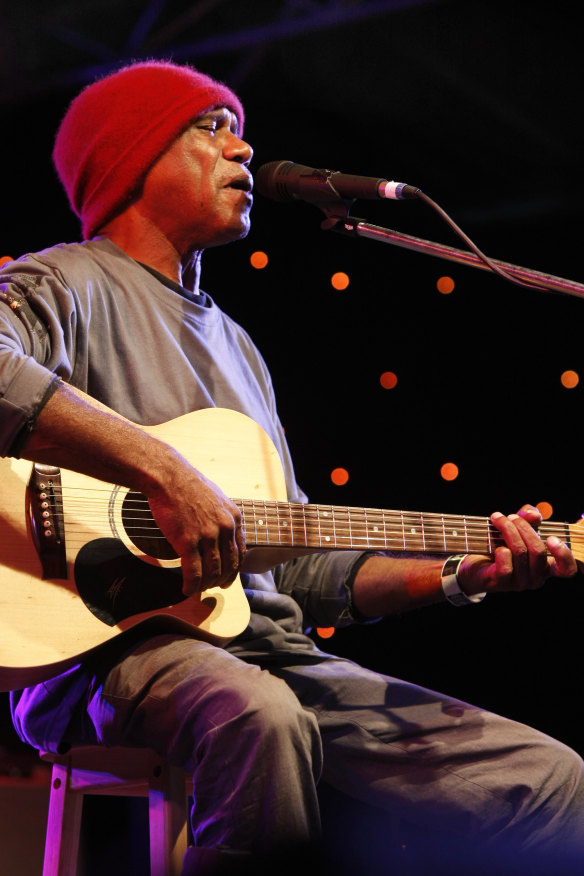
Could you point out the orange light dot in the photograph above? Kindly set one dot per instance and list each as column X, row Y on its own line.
column 340, row 281
column 325, row 632
column 570, row 379
column 4, row 259
column 445, row 285
column 339, row 476
column 449, row 471
column 258, row 260
column 546, row 509
column 388, row 380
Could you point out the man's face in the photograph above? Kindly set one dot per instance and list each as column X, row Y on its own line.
column 199, row 191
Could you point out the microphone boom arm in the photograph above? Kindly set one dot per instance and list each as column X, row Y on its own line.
column 357, row 227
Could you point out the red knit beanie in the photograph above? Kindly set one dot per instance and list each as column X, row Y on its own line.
column 116, row 128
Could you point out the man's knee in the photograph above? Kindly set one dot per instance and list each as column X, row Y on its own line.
column 251, row 714
column 554, row 771
column 269, row 711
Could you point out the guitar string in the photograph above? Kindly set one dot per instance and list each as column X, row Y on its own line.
column 428, row 527
column 341, row 543
column 281, row 511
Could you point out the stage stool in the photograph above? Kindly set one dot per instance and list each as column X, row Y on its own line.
column 128, row 772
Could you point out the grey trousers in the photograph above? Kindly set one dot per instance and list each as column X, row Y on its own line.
column 257, row 740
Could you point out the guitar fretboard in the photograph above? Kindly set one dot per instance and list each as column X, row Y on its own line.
column 330, row 527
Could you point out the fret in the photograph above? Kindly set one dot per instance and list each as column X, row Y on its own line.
column 353, row 533
column 413, row 534
column 292, row 542
column 353, row 541
column 381, row 533
column 334, row 522
column 260, row 522
column 304, row 538
column 312, row 526
column 399, row 532
column 455, row 535
column 376, row 529
column 423, row 532
column 247, row 521
column 366, row 529
column 276, row 517
column 479, row 541
column 319, row 529
column 391, row 532
column 342, row 528
column 268, row 523
column 283, row 517
column 274, row 534
column 327, row 528
column 432, row 527
column 357, row 533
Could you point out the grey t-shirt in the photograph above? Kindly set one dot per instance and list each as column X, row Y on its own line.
column 88, row 314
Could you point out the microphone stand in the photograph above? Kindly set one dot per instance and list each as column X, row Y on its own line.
column 339, row 220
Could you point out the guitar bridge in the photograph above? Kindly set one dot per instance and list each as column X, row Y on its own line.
column 47, row 521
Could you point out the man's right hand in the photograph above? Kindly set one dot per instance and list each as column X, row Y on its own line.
column 203, row 526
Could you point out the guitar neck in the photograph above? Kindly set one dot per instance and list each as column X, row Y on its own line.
column 330, row 527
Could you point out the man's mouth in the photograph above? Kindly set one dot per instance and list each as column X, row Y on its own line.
column 242, row 183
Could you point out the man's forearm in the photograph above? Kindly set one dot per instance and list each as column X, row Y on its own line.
column 72, row 432
column 200, row 522
column 388, row 585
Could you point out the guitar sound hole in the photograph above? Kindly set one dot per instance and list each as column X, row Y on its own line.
column 141, row 528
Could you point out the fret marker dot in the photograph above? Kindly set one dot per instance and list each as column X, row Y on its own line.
column 260, row 522
column 454, row 532
column 327, row 538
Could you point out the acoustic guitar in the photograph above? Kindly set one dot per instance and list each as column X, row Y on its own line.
column 82, row 561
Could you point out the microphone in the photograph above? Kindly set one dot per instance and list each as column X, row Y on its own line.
column 286, row 181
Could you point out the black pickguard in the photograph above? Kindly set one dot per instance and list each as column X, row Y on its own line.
column 115, row 584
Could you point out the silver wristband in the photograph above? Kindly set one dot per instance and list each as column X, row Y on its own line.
column 450, row 585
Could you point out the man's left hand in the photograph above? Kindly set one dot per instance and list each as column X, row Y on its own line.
column 524, row 562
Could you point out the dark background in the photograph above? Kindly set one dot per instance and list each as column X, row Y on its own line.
column 479, row 104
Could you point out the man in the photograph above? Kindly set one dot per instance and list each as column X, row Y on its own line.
column 153, row 162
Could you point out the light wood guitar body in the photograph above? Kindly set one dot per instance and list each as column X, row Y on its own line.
column 46, row 622
column 82, row 561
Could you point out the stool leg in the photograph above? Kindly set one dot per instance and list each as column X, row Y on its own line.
column 63, row 825
column 168, row 824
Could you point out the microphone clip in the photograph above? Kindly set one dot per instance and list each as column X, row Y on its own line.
column 332, row 204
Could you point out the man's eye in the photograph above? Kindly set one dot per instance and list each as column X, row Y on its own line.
column 210, row 126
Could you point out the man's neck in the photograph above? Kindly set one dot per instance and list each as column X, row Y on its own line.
column 147, row 245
